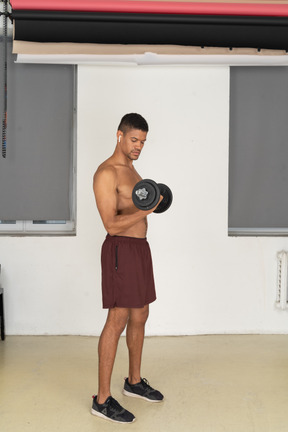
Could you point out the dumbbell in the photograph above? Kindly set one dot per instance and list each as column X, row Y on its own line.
column 146, row 195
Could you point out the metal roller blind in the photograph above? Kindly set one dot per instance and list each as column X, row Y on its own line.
column 258, row 161
column 35, row 177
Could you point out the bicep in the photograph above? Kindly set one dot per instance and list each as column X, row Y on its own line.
column 105, row 190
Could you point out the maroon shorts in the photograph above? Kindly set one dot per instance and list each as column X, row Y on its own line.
column 127, row 273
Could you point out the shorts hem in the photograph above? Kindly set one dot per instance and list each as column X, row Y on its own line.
column 128, row 307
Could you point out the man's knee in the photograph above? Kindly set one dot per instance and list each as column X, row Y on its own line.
column 139, row 316
column 117, row 319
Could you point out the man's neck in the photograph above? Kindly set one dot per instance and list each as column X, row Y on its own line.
column 122, row 159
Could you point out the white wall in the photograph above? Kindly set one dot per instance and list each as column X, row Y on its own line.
column 206, row 281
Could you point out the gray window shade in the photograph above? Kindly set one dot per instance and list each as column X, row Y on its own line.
column 35, row 178
column 258, row 161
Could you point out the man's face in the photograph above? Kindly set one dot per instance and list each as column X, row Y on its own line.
column 132, row 143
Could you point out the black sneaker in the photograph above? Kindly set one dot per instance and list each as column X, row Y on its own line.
column 111, row 410
column 142, row 390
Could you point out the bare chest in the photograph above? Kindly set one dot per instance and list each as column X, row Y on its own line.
column 127, row 179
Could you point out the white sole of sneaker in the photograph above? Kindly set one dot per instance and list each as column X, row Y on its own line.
column 126, row 393
column 98, row 414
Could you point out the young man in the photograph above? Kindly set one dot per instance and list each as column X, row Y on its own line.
column 127, row 273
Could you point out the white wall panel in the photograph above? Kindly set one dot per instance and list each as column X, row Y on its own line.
column 206, row 281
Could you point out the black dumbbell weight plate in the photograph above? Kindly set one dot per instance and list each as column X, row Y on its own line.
column 146, row 194
column 164, row 205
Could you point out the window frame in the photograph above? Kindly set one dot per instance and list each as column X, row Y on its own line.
column 235, row 230
column 63, row 228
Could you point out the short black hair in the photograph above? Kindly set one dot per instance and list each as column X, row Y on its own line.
column 133, row 121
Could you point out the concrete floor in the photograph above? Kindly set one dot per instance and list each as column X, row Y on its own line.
column 210, row 383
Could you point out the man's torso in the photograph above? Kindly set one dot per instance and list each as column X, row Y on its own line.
column 127, row 177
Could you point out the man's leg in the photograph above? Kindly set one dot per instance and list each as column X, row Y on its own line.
column 136, row 386
column 135, row 339
column 107, row 348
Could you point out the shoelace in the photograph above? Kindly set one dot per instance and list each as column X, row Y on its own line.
column 146, row 382
column 114, row 404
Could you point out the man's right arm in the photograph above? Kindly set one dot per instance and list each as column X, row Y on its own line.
column 105, row 190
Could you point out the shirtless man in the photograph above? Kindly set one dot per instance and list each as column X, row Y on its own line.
column 127, row 273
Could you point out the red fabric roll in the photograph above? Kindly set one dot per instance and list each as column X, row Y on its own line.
column 165, row 7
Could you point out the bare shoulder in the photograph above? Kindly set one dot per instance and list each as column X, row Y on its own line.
column 106, row 172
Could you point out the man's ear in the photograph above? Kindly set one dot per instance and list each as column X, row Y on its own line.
column 119, row 136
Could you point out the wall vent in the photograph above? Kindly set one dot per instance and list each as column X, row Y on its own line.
column 282, row 280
